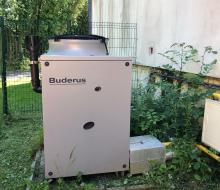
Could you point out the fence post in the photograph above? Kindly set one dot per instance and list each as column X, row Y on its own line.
column 3, row 55
column 90, row 16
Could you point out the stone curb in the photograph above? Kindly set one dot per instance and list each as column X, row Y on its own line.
column 33, row 168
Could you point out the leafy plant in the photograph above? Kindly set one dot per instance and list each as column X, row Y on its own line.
column 181, row 54
column 24, row 65
column 79, row 178
column 207, row 67
column 188, row 162
column 165, row 110
column 171, row 114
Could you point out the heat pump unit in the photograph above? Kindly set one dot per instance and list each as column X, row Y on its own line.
column 86, row 107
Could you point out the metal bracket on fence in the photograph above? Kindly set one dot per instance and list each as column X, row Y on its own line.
column 3, row 55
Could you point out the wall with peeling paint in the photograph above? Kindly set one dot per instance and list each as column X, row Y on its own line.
column 164, row 22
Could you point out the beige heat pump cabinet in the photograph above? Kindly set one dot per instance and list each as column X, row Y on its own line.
column 86, row 107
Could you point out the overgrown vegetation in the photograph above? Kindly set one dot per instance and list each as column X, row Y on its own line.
column 189, row 169
column 172, row 110
column 161, row 109
column 172, row 107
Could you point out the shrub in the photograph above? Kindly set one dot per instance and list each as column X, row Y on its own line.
column 189, row 169
column 161, row 109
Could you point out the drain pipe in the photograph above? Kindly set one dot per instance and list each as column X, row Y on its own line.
column 33, row 45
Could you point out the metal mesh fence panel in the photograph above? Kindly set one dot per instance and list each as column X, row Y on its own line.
column 20, row 97
column 122, row 40
column 122, row 37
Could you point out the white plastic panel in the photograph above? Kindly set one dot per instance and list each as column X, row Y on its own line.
column 211, row 124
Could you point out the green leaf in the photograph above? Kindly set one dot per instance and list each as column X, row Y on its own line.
column 197, row 177
column 196, row 166
column 125, row 181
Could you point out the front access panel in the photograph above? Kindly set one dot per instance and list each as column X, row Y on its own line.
column 86, row 116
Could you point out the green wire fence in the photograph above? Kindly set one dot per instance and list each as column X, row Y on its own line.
column 17, row 95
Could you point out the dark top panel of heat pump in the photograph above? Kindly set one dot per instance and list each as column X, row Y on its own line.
column 78, row 37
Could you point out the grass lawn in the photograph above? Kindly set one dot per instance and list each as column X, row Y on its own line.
column 19, row 139
column 21, row 136
column 21, row 98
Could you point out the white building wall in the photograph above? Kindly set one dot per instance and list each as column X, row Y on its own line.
column 163, row 22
